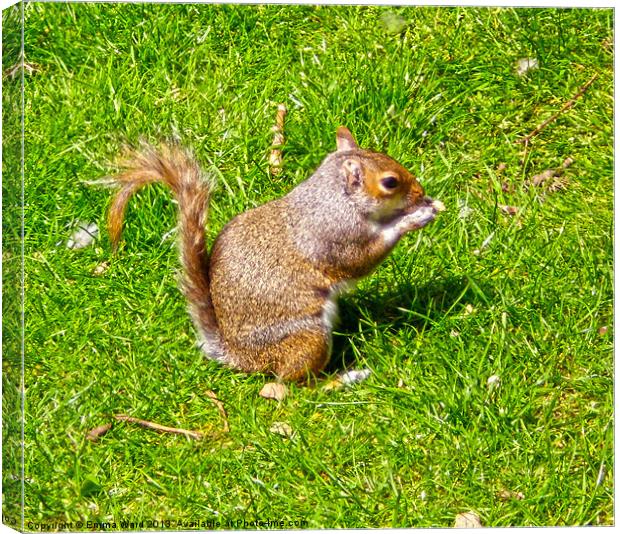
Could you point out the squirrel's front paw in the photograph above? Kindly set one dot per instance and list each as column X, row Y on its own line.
column 421, row 215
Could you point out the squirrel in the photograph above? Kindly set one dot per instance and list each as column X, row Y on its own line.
column 264, row 299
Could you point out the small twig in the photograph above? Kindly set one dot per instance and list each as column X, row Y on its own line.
column 275, row 157
column 220, row 407
column 159, row 428
column 95, row 433
column 525, row 140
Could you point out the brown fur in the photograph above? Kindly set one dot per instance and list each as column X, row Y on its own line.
column 265, row 299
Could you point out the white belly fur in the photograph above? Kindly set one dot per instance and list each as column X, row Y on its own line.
column 330, row 308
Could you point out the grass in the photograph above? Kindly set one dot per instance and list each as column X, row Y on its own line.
column 521, row 297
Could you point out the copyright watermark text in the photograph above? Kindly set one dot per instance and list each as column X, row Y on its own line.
column 167, row 524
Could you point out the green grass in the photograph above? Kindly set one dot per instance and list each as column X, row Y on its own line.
column 425, row 437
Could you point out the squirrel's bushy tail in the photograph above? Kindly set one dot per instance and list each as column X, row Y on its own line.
column 174, row 167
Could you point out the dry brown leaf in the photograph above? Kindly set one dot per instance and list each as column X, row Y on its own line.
column 84, row 234
column 274, row 390
column 282, row 429
column 467, row 520
column 98, row 431
column 506, row 495
column 509, row 210
column 101, row 268
column 539, row 179
column 525, row 65
column 567, row 162
column 494, row 381
column 506, row 187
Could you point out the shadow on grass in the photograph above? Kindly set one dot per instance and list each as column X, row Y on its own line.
column 412, row 307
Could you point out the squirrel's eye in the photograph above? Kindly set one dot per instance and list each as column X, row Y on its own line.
column 389, row 182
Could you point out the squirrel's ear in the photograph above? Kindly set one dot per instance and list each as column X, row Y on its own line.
column 344, row 140
column 353, row 174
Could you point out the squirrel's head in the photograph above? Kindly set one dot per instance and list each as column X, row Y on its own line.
column 383, row 184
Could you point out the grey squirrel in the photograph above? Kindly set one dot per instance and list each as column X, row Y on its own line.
column 264, row 298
